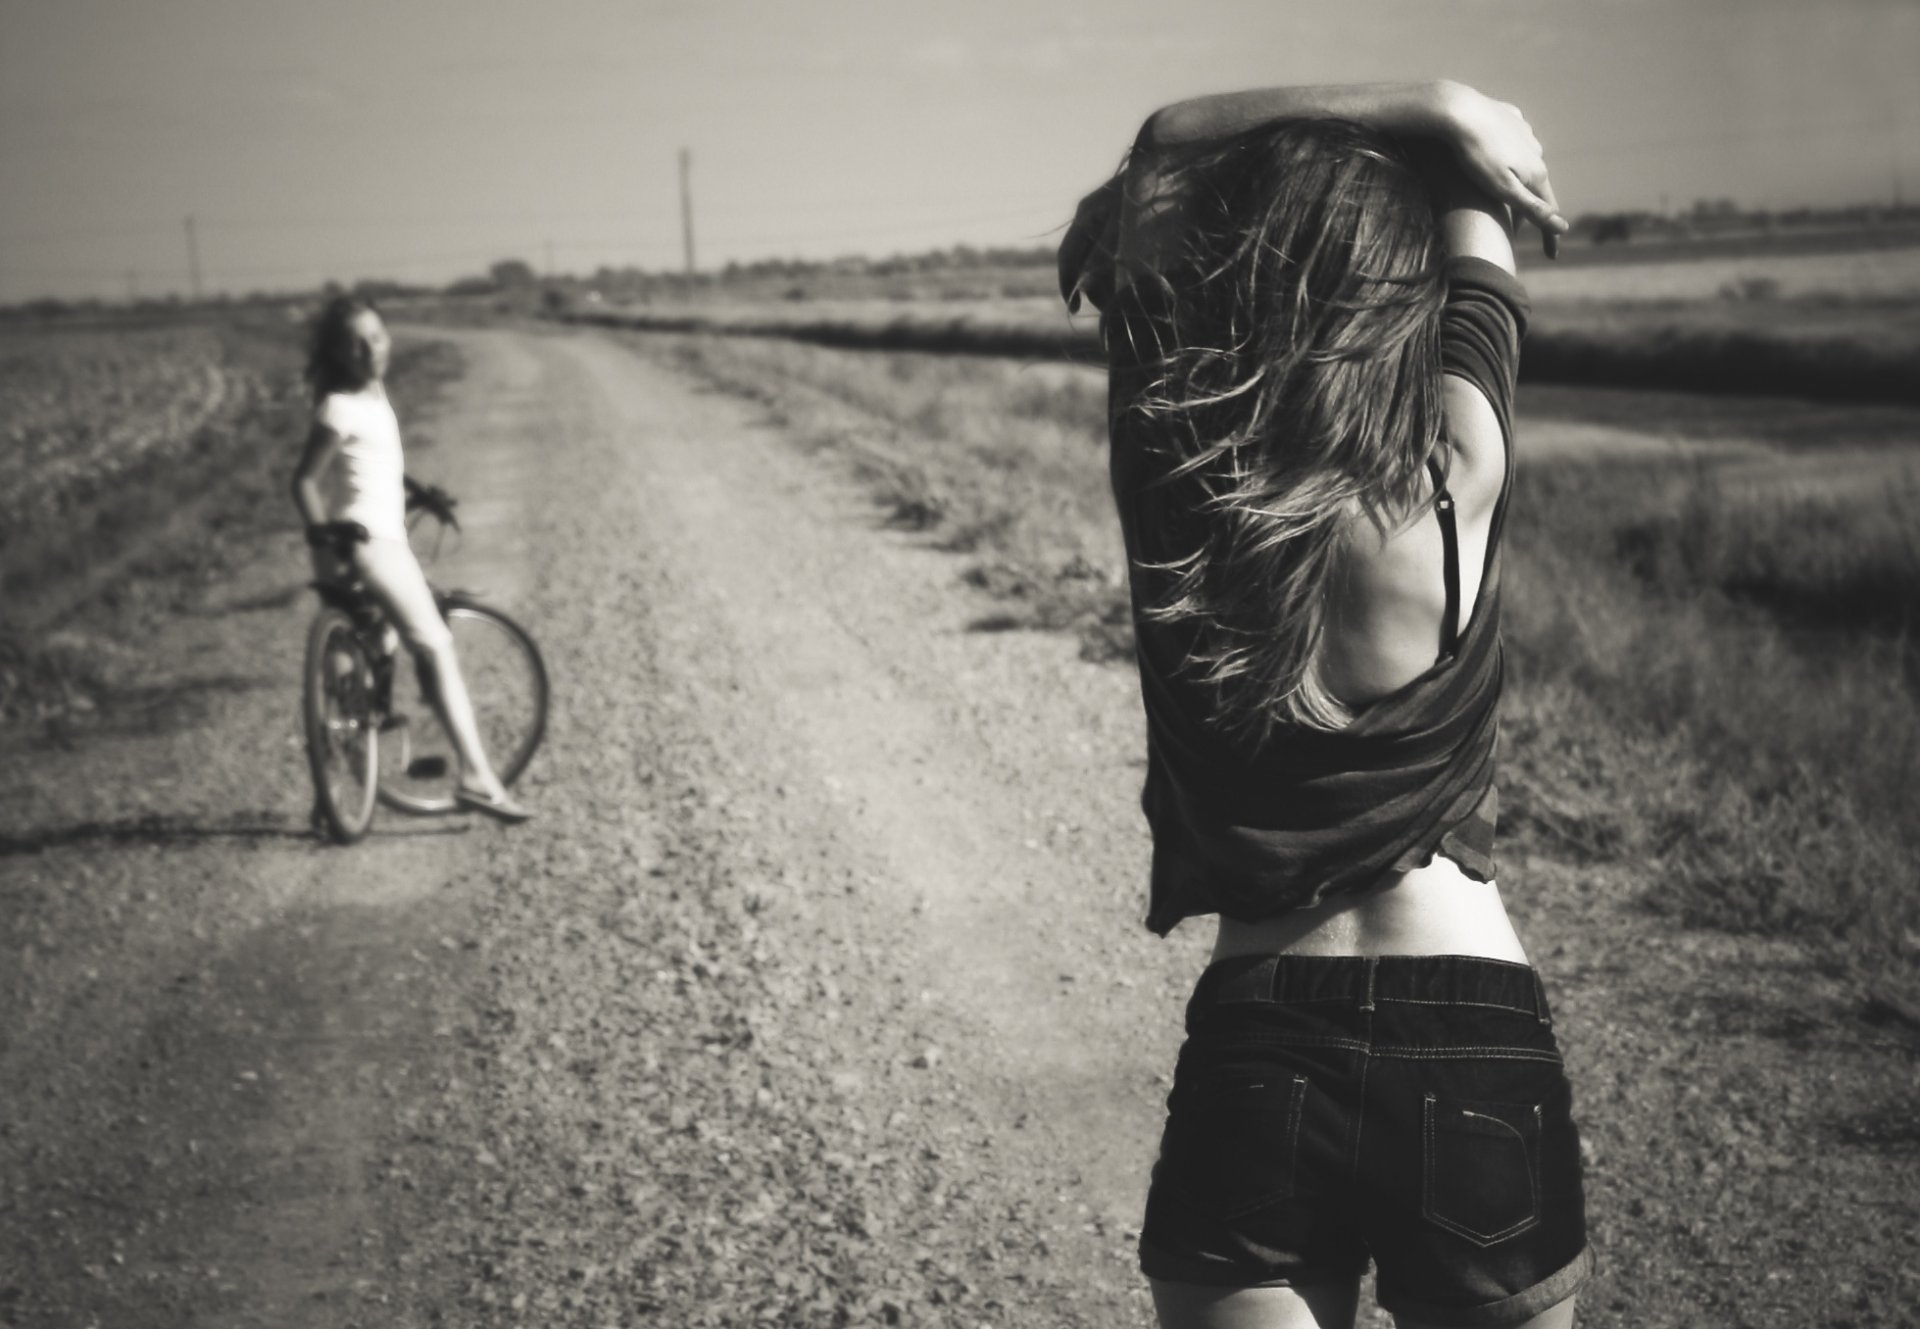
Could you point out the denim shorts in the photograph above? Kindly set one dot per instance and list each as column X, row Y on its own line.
column 1411, row 1110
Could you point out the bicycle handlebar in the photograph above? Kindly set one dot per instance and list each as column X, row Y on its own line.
column 433, row 500
column 342, row 536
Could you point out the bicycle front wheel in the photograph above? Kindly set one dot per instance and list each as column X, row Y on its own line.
column 343, row 729
column 507, row 681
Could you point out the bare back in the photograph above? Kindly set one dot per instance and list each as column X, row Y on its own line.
column 1384, row 631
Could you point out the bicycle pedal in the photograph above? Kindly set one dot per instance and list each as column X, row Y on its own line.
column 392, row 722
column 427, row 768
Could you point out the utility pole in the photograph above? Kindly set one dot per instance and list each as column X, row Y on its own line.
column 193, row 259
column 1893, row 159
column 686, row 207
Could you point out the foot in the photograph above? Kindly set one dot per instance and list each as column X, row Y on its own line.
column 499, row 805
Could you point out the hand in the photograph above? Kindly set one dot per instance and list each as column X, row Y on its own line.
column 1496, row 146
column 1087, row 253
column 336, row 535
column 434, row 499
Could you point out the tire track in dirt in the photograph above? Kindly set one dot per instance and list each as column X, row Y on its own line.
column 764, row 697
column 1006, row 851
column 211, row 1023
column 816, row 994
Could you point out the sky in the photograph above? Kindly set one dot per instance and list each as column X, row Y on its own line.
column 422, row 140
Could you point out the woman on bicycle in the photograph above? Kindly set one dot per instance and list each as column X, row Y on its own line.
column 357, row 524
column 1312, row 324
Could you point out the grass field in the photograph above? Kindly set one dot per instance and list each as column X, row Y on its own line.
column 118, row 435
column 1836, row 276
column 1842, row 326
column 1711, row 603
column 81, row 406
column 1714, row 676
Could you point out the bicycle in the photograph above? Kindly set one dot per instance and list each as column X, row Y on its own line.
column 372, row 737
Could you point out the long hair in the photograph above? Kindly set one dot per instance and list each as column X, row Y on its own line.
column 1301, row 390
column 333, row 363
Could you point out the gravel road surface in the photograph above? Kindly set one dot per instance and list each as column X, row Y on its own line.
column 817, row 992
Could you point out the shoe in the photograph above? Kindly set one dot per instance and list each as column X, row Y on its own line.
column 501, row 809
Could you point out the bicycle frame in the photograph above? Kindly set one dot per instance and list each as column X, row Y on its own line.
column 377, row 642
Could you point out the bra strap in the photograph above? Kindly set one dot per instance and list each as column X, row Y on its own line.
column 1450, row 542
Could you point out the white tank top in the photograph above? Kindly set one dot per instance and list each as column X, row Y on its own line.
column 366, row 481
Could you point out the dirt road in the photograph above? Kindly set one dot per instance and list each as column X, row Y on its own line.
column 817, row 992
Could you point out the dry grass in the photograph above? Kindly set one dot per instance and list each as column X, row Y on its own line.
column 1736, row 333
column 1710, row 680
column 83, row 405
column 1846, row 275
column 137, row 465
column 996, row 460
column 1676, row 706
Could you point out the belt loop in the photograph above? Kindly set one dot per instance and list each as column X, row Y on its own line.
column 1366, row 1002
column 1540, row 1000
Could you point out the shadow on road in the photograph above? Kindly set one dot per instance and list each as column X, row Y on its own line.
column 171, row 828
column 158, row 828
column 250, row 604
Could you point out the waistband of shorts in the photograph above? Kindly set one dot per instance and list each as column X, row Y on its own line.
column 1364, row 981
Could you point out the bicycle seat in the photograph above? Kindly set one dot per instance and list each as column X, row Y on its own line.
column 349, row 597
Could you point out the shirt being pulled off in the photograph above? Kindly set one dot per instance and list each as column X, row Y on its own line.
column 1253, row 830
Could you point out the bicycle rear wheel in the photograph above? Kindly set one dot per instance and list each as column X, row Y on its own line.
column 343, row 734
column 507, row 680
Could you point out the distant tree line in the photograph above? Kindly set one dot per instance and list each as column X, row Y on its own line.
column 936, row 273
column 1709, row 217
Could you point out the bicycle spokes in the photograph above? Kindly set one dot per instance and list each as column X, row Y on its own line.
column 342, row 723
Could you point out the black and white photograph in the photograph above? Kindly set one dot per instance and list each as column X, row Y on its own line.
column 717, row 664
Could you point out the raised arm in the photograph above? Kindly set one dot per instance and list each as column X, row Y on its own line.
column 1492, row 141
column 1412, row 109
column 1132, row 221
column 1474, row 225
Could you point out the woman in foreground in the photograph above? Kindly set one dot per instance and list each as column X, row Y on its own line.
column 360, row 524
column 1313, row 324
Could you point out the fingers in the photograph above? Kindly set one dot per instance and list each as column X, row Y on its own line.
column 1535, row 202
column 1536, row 198
column 1557, row 223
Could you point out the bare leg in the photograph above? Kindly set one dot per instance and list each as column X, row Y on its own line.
column 447, row 692
column 1558, row 1316
column 1329, row 1305
column 392, row 574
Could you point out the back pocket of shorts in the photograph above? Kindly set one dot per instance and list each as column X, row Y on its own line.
column 1482, row 1168
column 1232, row 1139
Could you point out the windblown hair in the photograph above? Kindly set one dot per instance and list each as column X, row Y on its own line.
column 1298, row 390
column 333, row 364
